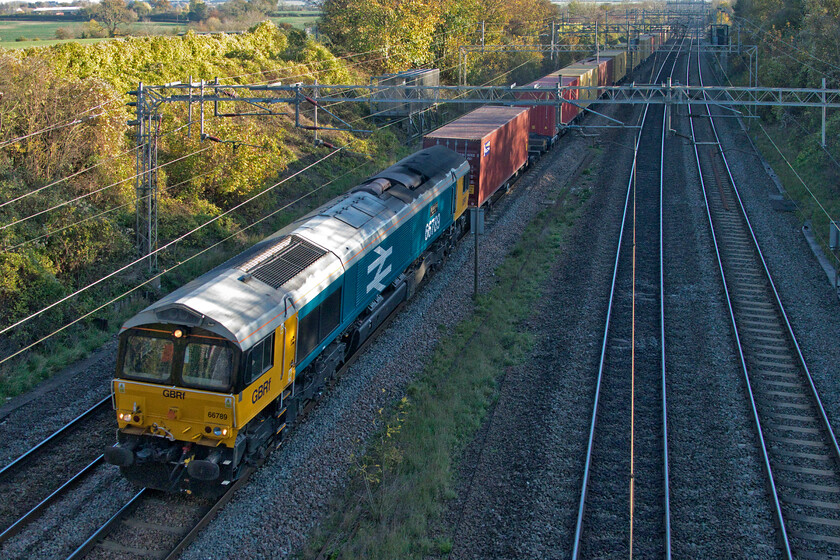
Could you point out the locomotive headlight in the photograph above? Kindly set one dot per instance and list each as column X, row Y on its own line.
column 125, row 417
column 178, row 333
column 217, row 431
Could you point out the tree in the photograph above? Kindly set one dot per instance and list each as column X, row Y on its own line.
column 161, row 6
column 198, row 10
column 111, row 14
column 141, row 8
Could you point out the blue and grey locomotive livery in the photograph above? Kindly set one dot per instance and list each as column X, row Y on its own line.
column 211, row 375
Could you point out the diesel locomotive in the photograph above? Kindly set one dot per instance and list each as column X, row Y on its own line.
column 212, row 375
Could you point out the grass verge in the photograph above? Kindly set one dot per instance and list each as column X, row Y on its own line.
column 401, row 484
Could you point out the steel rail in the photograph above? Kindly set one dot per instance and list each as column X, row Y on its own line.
column 793, row 340
column 100, row 533
column 666, row 467
column 777, row 508
column 576, row 544
column 210, row 515
column 820, row 417
column 8, row 469
column 18, row 525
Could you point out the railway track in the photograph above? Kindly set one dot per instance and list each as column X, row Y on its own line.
column 36, row 479
column 624, row 500
column 154, row 524
column 144, row 526
column 799, row 448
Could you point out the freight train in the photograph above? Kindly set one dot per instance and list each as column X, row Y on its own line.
column 212, row 376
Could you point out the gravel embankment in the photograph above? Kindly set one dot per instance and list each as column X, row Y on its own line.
column 811, row 303
column 522, row 474
column 27, row 419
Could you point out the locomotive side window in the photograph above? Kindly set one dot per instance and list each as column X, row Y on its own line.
column 148, row 358
column 207, row 366
column 260, row 359
column 307, row 336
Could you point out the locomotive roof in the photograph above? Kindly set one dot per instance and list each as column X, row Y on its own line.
column 252, row 294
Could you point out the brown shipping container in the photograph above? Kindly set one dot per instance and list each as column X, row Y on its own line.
column 619, row 65
column 495, row 142
column 543, row 118
column 588, row 77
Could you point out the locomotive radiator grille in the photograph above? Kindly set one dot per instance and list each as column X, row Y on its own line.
column 279, row 268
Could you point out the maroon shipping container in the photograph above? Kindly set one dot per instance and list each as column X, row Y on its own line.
column 568, row 111
column 605, row 72
column 495, row 142
column 543, row 117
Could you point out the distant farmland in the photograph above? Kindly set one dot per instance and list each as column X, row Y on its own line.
column 17, row 34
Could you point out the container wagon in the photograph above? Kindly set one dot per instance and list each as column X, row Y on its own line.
column 619, row 64
column 605, row 68
column 494, row 140
column 580, row 75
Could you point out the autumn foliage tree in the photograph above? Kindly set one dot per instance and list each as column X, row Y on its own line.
column 399, row 34
column 111, row 14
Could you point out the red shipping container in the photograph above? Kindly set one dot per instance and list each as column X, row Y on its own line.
column 568, row 111
column 495, row 142
column 543, row 117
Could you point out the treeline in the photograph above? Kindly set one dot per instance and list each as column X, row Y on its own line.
column 798, row 46
column 65, row 138
column 397, row 34
column 799, row 39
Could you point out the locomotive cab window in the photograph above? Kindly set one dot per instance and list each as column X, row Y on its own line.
column 148, row 358
column 207, row 366
column 260, row 359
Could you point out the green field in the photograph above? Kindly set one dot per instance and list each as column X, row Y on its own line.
column 298, row 22
column 42, row 33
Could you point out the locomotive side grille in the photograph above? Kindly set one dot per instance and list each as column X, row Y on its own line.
column 282, row 266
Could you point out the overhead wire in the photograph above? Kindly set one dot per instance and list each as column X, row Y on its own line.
column 810, row 192
column 165, row 246
column 74, row 121
column 782, row 155
column 102, row 213
column 99, row 190
column 791, row 45
column 85, row 170
column 169, row 244
column 191, row 257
